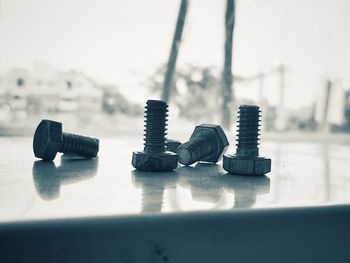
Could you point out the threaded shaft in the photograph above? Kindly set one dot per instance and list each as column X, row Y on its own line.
column 156, row 117
column 80, row 145
column 195, row 149
column 248, row 130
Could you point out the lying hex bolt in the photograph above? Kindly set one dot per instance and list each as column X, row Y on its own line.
column 154, row 156
column 49, row 140
column 246, row 161
column 208, row 143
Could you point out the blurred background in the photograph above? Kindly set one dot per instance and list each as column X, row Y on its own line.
column 93, row 64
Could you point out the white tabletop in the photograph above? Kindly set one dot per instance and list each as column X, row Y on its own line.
column 303, row 174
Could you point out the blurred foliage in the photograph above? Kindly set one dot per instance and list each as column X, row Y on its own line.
column 195, row 92
column 114, row 102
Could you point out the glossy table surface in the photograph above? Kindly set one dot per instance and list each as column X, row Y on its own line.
column 303, row 174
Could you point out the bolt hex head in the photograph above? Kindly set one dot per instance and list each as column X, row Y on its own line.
column 165, row 161
column 246, row 165
column 48, row 139
column 220, row 140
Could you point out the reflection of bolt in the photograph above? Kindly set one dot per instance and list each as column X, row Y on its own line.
column 246, row 160
column 49, row 139
column 246, row 189
column 203, row 181
column 208, row 142
column 152, row 199
column 154, row 156
column 207, row 183
column 46, row 181
column 153, row 186
column 48, row 178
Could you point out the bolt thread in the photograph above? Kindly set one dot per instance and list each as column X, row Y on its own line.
column 80, row 145
column 195, row 149
column 156, row 117
column 248, row 130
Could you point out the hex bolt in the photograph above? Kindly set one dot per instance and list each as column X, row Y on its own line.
column 208, row 143
column 247, row 161
column 172, row 145
column 154, row 156
column 49, row 140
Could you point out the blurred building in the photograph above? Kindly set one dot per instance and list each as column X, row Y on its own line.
column 45, row 89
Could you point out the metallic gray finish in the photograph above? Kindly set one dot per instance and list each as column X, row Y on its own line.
column 165, row 161
column 207, row 143
column 236, row 164
column 49, row 140
column 247, row 161
column 154, row 156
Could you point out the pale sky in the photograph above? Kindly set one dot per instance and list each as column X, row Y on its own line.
column 122, row 42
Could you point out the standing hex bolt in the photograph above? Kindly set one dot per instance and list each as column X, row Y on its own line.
column 246, row 161
column 49, row 140
column 154, row 156
column 208, row 143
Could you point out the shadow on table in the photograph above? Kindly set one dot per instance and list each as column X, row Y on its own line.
column 153, row 185
column 208, row 181
column 48, row 178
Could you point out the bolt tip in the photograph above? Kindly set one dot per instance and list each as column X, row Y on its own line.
column 185, row 156
column 156, row 103
column 249, row 106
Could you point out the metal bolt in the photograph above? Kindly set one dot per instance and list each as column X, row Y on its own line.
column 208, row 143
column 154, row 156
column 172, row 145
column 247, row 160
column 49, row 140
